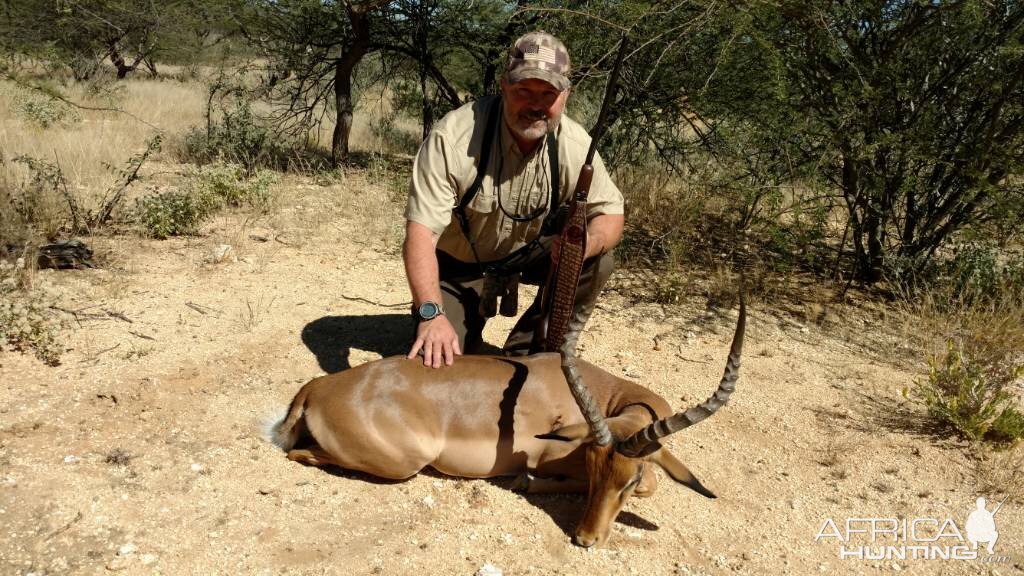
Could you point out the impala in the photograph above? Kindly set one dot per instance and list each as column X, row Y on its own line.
column 487, row 416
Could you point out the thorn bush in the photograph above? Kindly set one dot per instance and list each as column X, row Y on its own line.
column 25, row 321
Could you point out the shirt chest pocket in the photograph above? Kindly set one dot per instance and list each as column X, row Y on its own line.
column 485, row 201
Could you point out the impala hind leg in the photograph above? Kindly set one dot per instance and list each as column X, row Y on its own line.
column 312, row 456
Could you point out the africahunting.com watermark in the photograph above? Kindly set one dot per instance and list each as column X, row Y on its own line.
column 917, row 538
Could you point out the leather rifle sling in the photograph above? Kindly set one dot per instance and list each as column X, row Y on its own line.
column 564, row 277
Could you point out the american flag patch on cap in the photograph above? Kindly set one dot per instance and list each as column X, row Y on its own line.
column 539, row 55
column 542, row 53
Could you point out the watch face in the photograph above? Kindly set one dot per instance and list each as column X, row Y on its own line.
column 429, row 310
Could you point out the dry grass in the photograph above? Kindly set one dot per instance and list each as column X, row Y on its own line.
column 974, row 348
column 1001, row 472
column 253, row 312
column 378, row 129
column 84, row 149
column 931, row 319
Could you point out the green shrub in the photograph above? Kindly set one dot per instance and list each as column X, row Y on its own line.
column 975, row 273
column 240, row 137
column 32, row 208
column 43, row 110
column 25, row 322
column 171, row 213
column 669, row 288
column 219, row 185
column 967, row 392
column 260, row 193
column 208, row 190
column 1008, row 426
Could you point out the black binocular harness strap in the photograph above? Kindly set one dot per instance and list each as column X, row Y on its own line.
column 493, row 117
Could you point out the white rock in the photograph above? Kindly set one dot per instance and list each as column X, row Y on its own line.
column 126, row 549
column 70, row 459
column 148, row 559
column 428, row 501
column 488, row 570
column 220, row 253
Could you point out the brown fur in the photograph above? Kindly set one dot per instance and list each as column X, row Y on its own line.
column 484, row 416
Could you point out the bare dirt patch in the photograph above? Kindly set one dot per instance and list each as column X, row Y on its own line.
column 142, row 452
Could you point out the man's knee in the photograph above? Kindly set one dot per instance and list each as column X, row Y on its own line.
column 595, row 274
column 461, row 302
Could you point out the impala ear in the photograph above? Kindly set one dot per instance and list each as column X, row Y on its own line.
column 570, row 433
column 680, row 473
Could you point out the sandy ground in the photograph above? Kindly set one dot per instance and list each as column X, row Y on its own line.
column 142, row 452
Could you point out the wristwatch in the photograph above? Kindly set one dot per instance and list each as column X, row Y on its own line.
column 429, row 310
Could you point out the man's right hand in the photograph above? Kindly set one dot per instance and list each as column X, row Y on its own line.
column 437, row 340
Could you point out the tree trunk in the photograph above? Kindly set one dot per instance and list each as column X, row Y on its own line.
column 343, row 69
column 428, row 110
column 851, row 193
column 504, row 41
column 343, row 105
column 874, row 228
column 491, row 74
column 421, row 41
column 118, row 61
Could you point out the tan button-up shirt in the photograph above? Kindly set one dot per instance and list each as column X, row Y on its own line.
column 514, row 184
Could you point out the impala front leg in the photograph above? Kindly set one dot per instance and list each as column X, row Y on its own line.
column 531, row 484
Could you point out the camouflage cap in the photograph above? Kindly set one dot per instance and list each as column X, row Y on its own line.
column 539, row 55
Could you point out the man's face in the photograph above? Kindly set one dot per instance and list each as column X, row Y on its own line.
column 532, row 107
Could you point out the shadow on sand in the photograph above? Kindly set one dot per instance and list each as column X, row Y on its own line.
column 332, row 338
column 566, row 510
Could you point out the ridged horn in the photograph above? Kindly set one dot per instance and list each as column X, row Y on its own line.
column 591, row 413
column 635, row 444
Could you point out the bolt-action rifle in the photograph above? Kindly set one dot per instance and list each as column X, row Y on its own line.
column 566, row 266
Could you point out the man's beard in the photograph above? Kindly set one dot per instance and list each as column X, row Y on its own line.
column 534, row 125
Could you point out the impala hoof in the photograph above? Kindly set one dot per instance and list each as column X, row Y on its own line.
column 587, row 542
column 522, row 483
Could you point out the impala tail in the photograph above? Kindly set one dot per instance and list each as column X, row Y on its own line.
column 285, row 433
